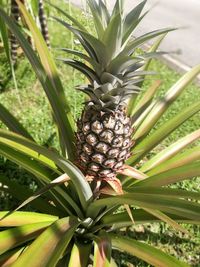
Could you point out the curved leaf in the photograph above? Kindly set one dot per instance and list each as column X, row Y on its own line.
column 168, row 127
column 80, row 255
column 20, row 218
column 12, row 123
column 81, row 185
column 145, row 252
column 49, row 247
column 10, row 257
column 122, row 219
column 73, row 20
column 132, row 20
column 170, row 151
column 172, row 175
column 14, row 237
column 102, row 250
column 47, row 75
column 189, row 156
column 21, row 193
column 162, row 105
column 166, row 204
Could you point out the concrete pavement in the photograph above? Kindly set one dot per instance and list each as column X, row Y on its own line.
column 183, row 14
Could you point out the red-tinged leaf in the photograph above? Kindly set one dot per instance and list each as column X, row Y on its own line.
column 145, row 252
column 117, row 188
column 49, row 247
column 10, row 257
column 80, row 255
column 102, row 251
column 132, row 172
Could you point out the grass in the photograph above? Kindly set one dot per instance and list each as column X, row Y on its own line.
column 34, row 112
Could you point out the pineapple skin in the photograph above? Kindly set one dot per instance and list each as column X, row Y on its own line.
column 103, row 141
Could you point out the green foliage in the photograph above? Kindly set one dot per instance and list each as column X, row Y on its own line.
column 70, row 220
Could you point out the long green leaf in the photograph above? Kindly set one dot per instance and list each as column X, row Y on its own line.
column 92, row 62
column 68, row 16
column 24, row 157
column 59, row 180
column 14, row 237
column 132, row 20
column 21, row 193
column 166, row 204
column 163, row 217
column 49, row 247
column 97, row 18
column 95, row 48
column 87, row 71
column 81, row 185
column 135, row 43
column 48, row 77
column 5, row 39
column 20, row 218
column 140, row 216
column 112, row 37
column 172, row 175
column 189, row 156
column 154, row 139
column 137, row 110
column 163, row 104
column 145, row 252
column 12, row 123
column 171, row 151
column 173, row 193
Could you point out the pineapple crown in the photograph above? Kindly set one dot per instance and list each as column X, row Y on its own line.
column 115, row 67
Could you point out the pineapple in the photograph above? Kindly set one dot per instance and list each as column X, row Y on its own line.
column 103, row 138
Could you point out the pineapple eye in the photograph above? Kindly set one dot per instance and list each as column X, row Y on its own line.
column 102, row 147
column 113, row 153
column 118, row 141
column 119, row 165
column 94, row 167
column 126, row 143
column 84, row 158
column 109, row 163
column 91, row 139
column 98, row 158
column 87, row 149
column 107, row 136
column 122, row 154
column 86, row 128
column 97, row 127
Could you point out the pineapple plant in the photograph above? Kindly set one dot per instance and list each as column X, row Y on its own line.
column 78, row 209
column 104, row 135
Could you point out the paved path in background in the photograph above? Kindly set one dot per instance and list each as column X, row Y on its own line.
column 184, row 14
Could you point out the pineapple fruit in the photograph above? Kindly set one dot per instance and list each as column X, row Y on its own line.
column 115, row 74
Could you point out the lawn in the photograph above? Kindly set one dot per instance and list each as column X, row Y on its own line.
column 30, row 106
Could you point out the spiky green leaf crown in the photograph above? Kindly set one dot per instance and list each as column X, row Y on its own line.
column 114, row 72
